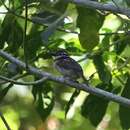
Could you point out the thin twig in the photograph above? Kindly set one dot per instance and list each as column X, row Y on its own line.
column 25, row 35
column 4, row 121
column 120, row 80
column 2, row 2
column 123, row 65
column 95, row 91
column 24, row 83
column 16, row 77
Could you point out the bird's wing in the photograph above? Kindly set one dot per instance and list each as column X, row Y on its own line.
column 69, row 64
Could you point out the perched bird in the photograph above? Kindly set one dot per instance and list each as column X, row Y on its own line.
column 67, row 66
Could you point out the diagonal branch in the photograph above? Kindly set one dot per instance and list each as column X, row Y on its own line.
column 101, row 6
column 95, row 91
column 4, row 121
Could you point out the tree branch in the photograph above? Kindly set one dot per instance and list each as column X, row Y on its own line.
column 16, row 77
column 42, row 21
column 101, row 6
column 95, row 91
column 5, row 122
column 23, row 83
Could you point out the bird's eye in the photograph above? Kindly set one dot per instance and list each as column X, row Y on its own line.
column 64, row 53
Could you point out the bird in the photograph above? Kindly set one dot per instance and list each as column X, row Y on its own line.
column 67, row 66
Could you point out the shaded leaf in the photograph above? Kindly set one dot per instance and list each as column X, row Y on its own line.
column 94, row 108
column 106, row 42
column 128, row 2
column 121, row 43
column 61, row 6
column 124, row 112
column 44, row 102
column 71, row 101
column 15, row 37
column 36, row 89
column 34, row 42
column 89, row 21
column 44, row 109
column 11, row 32
column 6, row 25
column 103, row 72
column 52, row 27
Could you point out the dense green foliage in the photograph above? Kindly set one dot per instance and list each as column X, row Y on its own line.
column 87, row 35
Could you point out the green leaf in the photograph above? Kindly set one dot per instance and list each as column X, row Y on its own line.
column 61, row 6
column 6, row 25
column 120, row 43
column 106, row 42
column 15, row 37
column 124, row 112
column 103, row 72
column 43, row 108
column 89, row 21
column 52, row 28
column 128, row 2
column 34, row 42
column 94, row 108
column 71, row 101
column 16, row 4
column 44, row 102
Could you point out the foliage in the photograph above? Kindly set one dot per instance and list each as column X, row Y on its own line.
column 101, row 37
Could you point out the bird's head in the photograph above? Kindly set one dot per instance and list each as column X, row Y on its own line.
column 60, row 54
